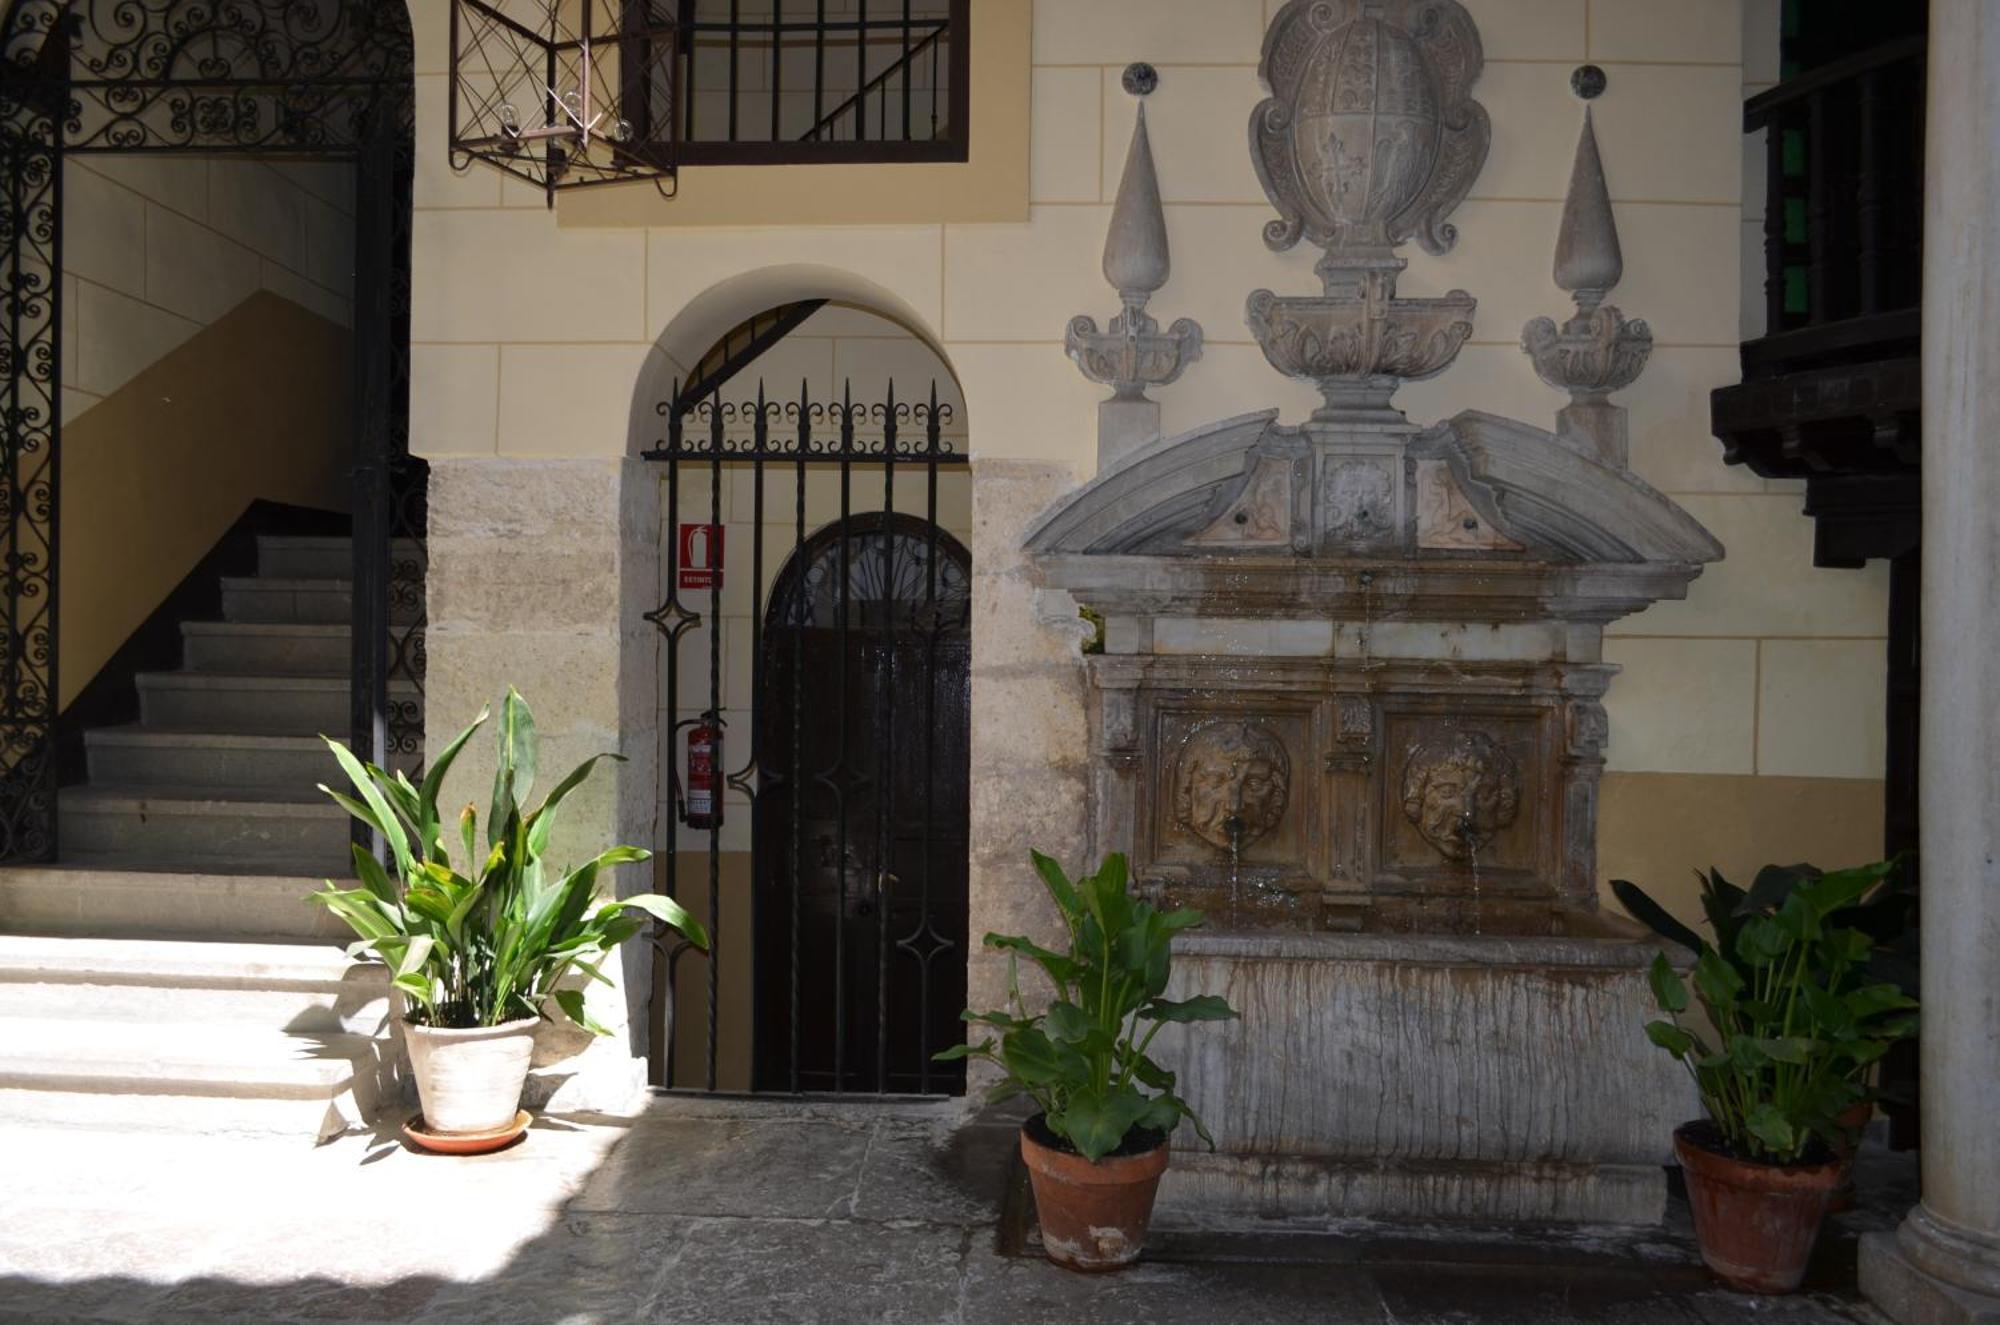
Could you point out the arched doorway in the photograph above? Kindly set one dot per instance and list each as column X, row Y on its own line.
column 860, row 884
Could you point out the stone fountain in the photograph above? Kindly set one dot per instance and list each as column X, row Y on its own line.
column 1350, row 700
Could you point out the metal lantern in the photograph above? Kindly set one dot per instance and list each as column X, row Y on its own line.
column 564, row 93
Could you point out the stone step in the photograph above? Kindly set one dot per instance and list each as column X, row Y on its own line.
column 302, row 988
column 181, row 1077
column 160, row 896
column 299, row 557
column 283, row 705
column 267, row 648
column 265, row 598
column 240, row 823
column 185, row 761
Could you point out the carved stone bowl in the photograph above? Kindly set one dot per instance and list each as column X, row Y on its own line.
column 1359, row 349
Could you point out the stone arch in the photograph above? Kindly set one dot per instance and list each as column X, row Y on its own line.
column 709, row 315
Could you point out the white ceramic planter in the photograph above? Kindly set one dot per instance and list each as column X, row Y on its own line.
column 470, row 1081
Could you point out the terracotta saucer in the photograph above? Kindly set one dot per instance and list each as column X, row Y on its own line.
column 465, row 1143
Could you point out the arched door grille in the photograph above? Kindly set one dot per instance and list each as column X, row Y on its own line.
column 854, row 764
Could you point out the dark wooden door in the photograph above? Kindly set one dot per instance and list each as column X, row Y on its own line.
column 864, row 729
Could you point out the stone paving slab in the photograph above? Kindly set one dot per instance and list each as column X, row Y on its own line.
column 708, row 1211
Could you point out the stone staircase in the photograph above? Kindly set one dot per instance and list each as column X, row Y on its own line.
column 169, row 973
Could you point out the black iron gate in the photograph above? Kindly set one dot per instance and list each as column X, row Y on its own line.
column 852, row 758
column 317, row 79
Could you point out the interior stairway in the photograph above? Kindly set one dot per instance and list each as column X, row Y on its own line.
column 169, row 972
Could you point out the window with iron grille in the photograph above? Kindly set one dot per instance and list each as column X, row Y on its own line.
column 794, row 81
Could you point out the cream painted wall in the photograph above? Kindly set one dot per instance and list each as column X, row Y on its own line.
column 530, row 333
column 157, row 247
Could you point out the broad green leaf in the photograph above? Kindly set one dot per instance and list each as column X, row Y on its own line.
column 1843, row 888
column 427, row 794
column 1068, row 1023
column 541, row 822
column 1202, row 1007
column 1772, row 886
column 514, row 775
column 1769, row 1125
column 371, row 874
column 1716, row 981
column 1668, row 991
column 1030, row 1055
column 1060, row 969
column 1060, row 888
column 958, row 1051
column 663, row 909
column 1670, row 1037
column 571, row 1002
column 1793, row 1049
column 1655, row 917
column 1095, row 1124
column 382, row 820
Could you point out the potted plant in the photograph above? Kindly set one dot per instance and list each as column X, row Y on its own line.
column 1098, row 1145
column 1794, row 1020
column 478, row 954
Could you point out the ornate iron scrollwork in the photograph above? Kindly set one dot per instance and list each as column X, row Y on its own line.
column 187, row 76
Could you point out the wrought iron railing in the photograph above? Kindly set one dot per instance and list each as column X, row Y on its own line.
column 890, row 82
column 331, row 81
column 1843, row 219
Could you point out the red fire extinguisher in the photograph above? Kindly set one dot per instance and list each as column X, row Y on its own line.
column 701, row 806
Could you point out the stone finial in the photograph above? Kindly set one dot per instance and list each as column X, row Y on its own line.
column 1598, row 350
column 1588, row 259
column 1133, row 354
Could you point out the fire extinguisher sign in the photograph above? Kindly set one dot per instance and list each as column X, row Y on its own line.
column 701, row 556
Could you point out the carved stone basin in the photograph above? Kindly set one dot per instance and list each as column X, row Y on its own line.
column 1358, row 350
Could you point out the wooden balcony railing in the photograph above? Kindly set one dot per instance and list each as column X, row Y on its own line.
column 1843, row 221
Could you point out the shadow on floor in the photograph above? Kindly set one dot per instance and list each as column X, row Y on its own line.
column 724, row 1211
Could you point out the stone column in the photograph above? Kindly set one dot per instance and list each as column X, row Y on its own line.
column 1943, row 1264
column 1030, row 726
column 541, row 572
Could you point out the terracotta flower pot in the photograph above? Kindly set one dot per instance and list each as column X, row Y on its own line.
column 1851, row 1121
column 1093, row 1215
column 1756, row 1222
column 469, row 1081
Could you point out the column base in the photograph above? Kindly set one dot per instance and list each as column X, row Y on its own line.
column 1909, row 1294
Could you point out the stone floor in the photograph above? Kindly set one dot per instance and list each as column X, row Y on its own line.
column 729, row 1212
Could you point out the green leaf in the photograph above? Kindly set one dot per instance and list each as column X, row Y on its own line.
column 958, row 1051
column 1787, row 1048
column 541, row 821
column 1202, row 1007
column 1069, row 1023
column 663, row 909
column 1717, row 982
column 1769, row 1125
column 1062, row 970
column 571, row 1002
column 1655, row 917
column 1031, row 1055
column 1096, row 1125
column 515, row 773
column 1671, row 1038
column 427, row 794
column 1668, row 991
column 380, row 817
column 1060, row 888
column 1761, row 942
column 1772, row 886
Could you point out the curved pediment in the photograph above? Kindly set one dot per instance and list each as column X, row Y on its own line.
column 1477, row 486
